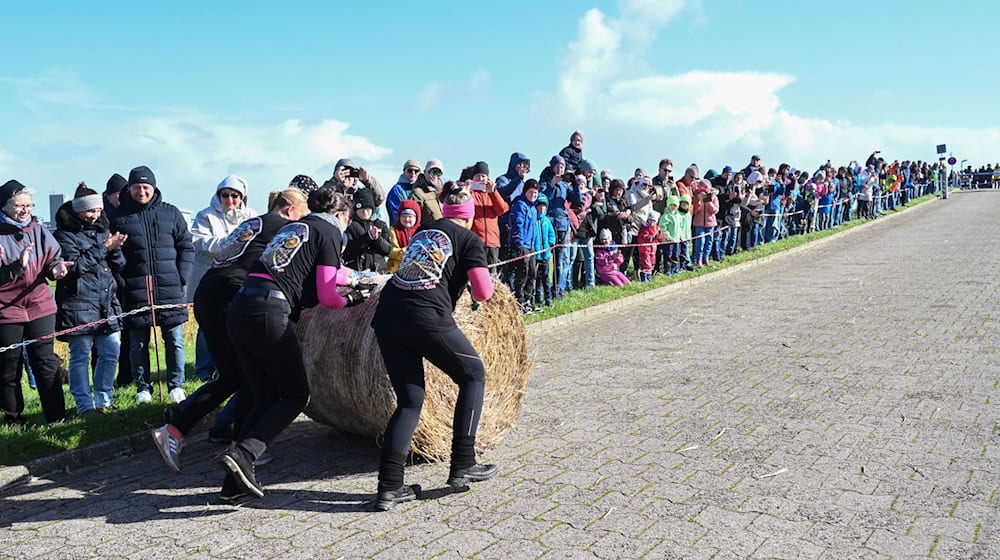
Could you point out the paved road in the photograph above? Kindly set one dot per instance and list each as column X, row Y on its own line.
column 838, row 403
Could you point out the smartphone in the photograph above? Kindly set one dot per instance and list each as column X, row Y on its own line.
column 477, row 186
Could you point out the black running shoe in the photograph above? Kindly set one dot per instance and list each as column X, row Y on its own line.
column 239, row 463
column 388, row 499
column 475, row 473
column 231, row 492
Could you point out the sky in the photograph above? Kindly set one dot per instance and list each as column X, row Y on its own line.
column 266, row 90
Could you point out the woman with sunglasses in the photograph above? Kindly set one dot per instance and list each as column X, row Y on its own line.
column 226, row 211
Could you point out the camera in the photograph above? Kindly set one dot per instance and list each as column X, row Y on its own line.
column 353, row 172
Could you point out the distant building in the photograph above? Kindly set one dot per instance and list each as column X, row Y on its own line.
column 55, row 201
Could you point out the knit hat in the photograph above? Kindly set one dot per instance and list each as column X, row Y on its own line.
column 653, row 217
column 556, row 160
column 673, row 200
column 605, row 234
column 411, row 164
column 86, row 199
column 304, row 183
column 8, row 190
column 703, row 185
column 754, row 177
column 115, row 184
column 645, row 181
column 727, row 169
column 234, row 182
column 711, row 174
column 434, row 164
column 581, row 180
column 685, row 198
column 586, row 166
column 141, row 175
column 480, row 167
column 364, row 198
column 542, row 200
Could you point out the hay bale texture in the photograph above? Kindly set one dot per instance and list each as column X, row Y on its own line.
column 351, row 391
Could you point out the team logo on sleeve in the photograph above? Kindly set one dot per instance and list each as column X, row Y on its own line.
column 237, row 241
column 284, row 245
column 424, row 260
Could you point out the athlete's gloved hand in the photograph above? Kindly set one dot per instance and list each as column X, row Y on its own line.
column 356, row 297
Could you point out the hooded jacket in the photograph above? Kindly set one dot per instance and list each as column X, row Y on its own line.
column 573, row 158
column 24, row 293
column 510, row 184
column 559, row 193
column 334, row 183
column 397, row 233
column 211, row 227
column 88, row 291
column 397, row 194
column 523, row 222
column 158, row 245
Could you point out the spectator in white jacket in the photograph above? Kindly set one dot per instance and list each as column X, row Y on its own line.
column 227, row 209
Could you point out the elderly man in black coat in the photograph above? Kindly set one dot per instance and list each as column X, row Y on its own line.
column 158, row 258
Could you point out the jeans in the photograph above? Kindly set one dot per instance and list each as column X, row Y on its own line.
column 730, row 239
column 173, row 347
column 587, row 250
column 566, row 257
column 716, row 252
column 80, row 345
column 771, row 226
column 524, row 277
column 562, row 263
column 702, row 244
column 204, row 365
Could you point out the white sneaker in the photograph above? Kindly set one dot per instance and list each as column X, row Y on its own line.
column 170, row 442
column 177, row 394
column 143, row 397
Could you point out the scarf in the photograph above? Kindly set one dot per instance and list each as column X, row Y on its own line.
column 16, row 223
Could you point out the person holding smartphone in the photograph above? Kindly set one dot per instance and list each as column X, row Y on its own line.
column 490, row 205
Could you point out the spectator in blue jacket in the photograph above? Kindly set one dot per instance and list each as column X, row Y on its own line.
column 546, row 239
column 511, row 183
column 402, row 189
column 559, row 192
column 523, row 222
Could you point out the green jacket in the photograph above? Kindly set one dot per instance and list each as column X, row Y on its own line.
column 684, row 225
column 670, row 225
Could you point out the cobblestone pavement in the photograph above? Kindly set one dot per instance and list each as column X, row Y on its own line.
column 835, row 404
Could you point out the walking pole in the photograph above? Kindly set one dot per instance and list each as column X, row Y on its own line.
column 156, row 344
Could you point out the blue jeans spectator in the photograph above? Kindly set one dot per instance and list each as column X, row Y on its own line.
column 566, row 257
column 717, row 253
column 587, row 251
column 771, row 223
column 204, row 364
column 173, row 347
column 730, row 239
column 702, row 245
column 104, row 373
column 27, row 367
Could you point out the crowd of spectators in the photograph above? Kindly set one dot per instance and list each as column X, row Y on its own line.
column 570, row 227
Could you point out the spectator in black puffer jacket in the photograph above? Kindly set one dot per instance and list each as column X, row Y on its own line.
column 158, row 247
column 88, row 293
column 368, row 241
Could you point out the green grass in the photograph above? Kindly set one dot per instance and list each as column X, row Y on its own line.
column 581, row 299
column 39, row 440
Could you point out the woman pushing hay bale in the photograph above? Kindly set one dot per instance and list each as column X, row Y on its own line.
column 351, row 391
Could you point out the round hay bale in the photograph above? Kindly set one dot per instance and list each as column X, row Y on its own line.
column 351, row 391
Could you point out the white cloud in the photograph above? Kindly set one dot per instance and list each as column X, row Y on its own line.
column 476, row 86
column 635, row 116
column 190, row 153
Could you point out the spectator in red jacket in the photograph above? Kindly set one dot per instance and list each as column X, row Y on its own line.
column 490, row 205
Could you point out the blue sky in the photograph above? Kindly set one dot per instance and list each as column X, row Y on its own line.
column 265, row 90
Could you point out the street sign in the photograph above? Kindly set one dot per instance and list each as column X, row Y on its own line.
column 952, row 160
column 942, row 148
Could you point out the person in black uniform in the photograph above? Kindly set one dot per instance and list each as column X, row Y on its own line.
column 414, row 321
column 216, row 290
column 298, row 268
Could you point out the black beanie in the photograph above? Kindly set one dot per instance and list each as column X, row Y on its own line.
column 115, row 184
column 480, row 167
column 141, row 174
column 364, row 198
column 8, row 190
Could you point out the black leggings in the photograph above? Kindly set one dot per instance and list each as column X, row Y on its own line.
column 271, row 359
column 211, row 309
column 403, row 350
column 44, row 365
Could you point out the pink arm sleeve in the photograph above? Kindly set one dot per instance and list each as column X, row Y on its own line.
column 326, row 287
column 482, row 284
